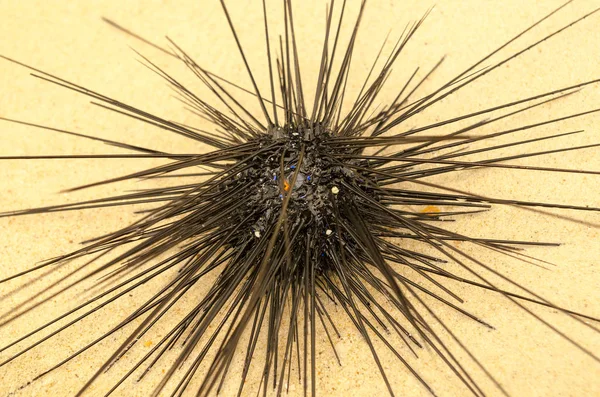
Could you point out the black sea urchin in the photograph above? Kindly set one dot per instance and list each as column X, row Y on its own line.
column 304, row 210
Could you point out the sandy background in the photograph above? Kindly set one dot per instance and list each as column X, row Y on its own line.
column 68, row 38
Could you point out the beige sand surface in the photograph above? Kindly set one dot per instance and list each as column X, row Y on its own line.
column 69, row 39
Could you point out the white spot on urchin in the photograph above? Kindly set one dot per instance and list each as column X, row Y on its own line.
column 256, row 233
column 335, row 190
column 328, row 232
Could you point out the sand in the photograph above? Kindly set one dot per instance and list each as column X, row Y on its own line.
column 69, row 39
